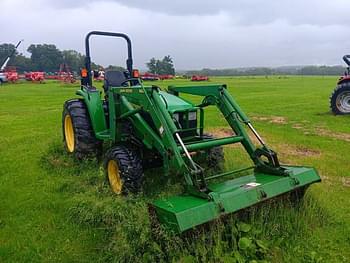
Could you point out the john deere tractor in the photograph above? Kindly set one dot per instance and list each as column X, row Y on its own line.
column 340, row 98
column 145, row 127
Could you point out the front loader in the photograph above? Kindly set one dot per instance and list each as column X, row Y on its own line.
column 147, row 127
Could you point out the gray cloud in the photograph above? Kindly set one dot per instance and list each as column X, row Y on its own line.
column 314, row 12
column 195, row 33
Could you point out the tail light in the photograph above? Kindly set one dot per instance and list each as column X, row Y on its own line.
column 84, row 72
column 135, row 73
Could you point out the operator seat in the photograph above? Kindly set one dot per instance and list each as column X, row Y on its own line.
column 113, row 78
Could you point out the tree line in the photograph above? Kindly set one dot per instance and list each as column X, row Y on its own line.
column 43, row 57
column 265, row 71
column 47, row 57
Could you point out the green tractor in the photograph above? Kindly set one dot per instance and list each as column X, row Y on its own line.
column 147, row 127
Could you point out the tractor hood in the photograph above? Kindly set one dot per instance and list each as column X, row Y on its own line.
column 174, row 103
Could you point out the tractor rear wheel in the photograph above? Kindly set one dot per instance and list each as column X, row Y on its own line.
column 340, row 99
column 123, row 168
column 78, row 135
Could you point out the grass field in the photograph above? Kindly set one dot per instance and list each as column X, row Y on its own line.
column 55, row 209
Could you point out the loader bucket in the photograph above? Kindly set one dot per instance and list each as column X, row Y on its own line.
column 183, row 212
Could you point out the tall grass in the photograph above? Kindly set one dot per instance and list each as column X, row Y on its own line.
column 276, row 230
column 55, row 209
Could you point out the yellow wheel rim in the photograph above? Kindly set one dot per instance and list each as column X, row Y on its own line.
column 69, row 133
column 114, row 177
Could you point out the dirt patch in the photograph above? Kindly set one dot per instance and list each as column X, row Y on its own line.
column 307, row 152
column 222, row 132
column 227, row 132
column 278, row 120
column 298, row 151
column 297, row 126
column 260, row 118
column 345, row 181
column 271, row 119
column 321, row 131
column 334, row 135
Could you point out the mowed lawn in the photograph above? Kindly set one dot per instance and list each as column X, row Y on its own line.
column 36, row 199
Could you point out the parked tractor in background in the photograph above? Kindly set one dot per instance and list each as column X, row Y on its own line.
column 9, row 73
column 35, row 76
column 199, row 78
column 65, row 74
column 340, row 98
column 146, row 127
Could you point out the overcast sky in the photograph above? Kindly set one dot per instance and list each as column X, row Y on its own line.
column 196, row 33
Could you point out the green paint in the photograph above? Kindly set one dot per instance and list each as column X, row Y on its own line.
column 180, row 213
column 203, row 201
column 94, row 104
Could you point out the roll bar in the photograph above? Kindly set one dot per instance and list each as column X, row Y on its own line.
column 346, row 58
column 111, row 34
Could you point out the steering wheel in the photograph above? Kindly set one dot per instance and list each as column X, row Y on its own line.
column 130, row 81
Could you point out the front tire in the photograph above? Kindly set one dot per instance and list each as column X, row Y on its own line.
column 212, row 158
column 340, row 99
column 123, row 168
column 78, row 135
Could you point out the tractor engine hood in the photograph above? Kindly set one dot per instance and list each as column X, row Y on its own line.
column 174, row 103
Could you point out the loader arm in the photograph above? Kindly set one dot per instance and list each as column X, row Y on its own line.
column 268, row 180
column 129, row 103
column 218, row 95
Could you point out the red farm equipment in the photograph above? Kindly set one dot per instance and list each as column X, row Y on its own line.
column 166, row 76
column 11, row 74
column 65, row 75
column 35, row 76
column 199, row 78
column 149, row 76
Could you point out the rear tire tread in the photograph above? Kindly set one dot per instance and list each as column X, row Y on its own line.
column 86, row 144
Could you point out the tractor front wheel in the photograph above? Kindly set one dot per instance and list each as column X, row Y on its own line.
column 213, row 158
column 340, row 99
column 123, row 168
column 78, row 135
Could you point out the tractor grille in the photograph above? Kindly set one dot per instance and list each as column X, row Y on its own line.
column 187, row 121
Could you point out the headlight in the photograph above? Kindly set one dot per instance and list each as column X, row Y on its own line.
column 192, row 116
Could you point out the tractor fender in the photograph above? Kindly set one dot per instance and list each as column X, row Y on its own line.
column 343, row 79
column 93, row 102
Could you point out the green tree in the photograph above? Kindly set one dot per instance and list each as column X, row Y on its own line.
column 113, row 67
column 45, row 57
column 21, row 62
column 152, row 66
column 73, row 59
column 168, row 65
column 162, row 67
column 5, row 50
